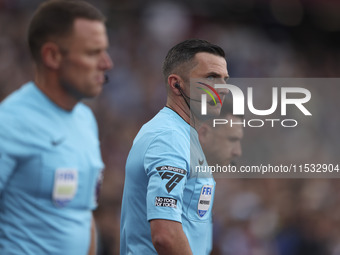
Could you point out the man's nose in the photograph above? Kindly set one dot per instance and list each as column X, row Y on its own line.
column 106, row 62
column 222, row 91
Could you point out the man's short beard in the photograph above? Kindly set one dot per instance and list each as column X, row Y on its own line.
column 72, row 91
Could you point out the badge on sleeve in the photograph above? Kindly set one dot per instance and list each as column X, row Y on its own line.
column 65, row 186
column 204, row 200
column 98, row 186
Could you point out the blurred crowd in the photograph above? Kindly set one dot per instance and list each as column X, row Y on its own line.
column 262, row 39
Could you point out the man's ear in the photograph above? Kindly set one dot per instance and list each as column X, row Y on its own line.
column 174, row 82
column 51, row 55
column 204, row 133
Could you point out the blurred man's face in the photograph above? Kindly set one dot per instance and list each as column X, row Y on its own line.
column 211, row 69
column 222, row 144
column 85, row 59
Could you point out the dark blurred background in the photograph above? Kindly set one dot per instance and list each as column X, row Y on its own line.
column 268, row 38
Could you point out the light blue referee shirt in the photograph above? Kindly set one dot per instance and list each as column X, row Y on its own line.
column 50, row 165
column 161, row 183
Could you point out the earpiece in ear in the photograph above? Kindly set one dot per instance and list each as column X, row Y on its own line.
column 177, row 86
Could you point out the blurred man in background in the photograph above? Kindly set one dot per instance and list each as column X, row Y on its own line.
column 222, row 144
column 166, row 206
column 50, row 161
column 222, row 147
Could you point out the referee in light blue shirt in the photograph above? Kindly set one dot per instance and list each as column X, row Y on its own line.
column 50, row 162
column 166, row 207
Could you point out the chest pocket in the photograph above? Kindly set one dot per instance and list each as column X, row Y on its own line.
column 69, row 176
column 202, row 198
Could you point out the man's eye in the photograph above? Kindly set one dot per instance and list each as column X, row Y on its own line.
column 210, row 78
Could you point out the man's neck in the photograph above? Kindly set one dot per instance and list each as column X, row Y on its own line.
column 49, row 85
column 184, row 111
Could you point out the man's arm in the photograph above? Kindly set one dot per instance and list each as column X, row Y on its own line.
column 93, row 244
column 168, row 237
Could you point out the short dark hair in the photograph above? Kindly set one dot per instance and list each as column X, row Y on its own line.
column 227, row 109
column 185, row 51
column 55, row 18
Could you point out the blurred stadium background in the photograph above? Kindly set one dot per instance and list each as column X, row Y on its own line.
column 265, row 38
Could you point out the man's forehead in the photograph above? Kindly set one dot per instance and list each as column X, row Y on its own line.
column 206, row 57
column 85, row 28
column 210, row 63
column 89, row 32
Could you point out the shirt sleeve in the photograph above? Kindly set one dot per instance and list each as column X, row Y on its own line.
column 98, row 164
column 8, row 163
column 167, row 165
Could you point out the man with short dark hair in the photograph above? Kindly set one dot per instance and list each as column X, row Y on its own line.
column 50, row 162
column 166, row 206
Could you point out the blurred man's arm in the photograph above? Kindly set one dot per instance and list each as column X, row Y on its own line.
column 168, row 237
column 93, row 244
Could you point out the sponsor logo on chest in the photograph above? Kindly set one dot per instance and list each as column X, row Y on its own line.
column 65, row 186
column 205, row 200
